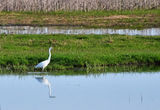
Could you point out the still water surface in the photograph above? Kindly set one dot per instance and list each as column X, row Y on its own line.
column 110, row 91
column 75, row 30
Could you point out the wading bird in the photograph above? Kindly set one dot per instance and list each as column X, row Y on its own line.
column 43, row 64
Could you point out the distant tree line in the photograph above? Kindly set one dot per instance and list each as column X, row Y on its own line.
column 70, row 5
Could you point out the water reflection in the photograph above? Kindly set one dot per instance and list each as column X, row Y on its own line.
column 45, row 81
column 131, row 99
column 114, row 91
column 141, row 99
column 71, row 30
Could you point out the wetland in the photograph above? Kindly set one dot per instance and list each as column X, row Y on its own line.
column 100, row 60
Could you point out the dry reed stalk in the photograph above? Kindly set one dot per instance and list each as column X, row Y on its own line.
column 82, row 5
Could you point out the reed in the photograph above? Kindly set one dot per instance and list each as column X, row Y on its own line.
column 72, row 5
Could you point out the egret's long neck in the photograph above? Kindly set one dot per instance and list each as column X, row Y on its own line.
column 49, row 58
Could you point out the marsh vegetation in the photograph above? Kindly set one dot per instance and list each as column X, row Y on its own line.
column 80, row 5
column 91, row 19
column 21, row 52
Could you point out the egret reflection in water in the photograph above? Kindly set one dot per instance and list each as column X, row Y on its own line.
column 45, row 81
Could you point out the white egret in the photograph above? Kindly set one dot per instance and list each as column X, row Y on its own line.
column 43, row 64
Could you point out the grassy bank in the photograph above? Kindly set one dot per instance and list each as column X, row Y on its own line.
column 94, row 71
column 22, row 52
column 90, row 19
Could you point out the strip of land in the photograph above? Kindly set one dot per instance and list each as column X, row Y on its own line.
column 91, row 19
column 22, row 52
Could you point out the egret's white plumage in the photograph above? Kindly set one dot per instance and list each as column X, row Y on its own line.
column 43, row 64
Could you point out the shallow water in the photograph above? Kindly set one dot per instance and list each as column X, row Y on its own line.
column 75, row 30
column 110, row 91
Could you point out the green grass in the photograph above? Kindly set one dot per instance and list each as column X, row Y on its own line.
column 91, row 13
column 85, row 71
column 91, row 19
column 22, row 52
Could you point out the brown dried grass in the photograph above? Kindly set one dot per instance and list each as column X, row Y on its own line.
column 82, row 5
